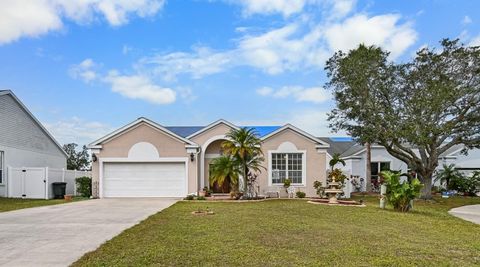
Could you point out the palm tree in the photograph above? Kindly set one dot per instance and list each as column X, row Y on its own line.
column 448, row 174
column 335, row 160
column 225, row 168
column 243, row 144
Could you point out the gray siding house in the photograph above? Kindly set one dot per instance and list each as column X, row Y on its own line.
column 24, row 142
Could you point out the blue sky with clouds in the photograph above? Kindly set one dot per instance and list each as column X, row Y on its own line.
column 87, row 67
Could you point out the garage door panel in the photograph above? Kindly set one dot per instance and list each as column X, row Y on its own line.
column 166, row 179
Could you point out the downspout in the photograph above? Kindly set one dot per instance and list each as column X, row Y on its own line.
column 197, row 171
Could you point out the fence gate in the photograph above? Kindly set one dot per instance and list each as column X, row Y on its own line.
column 27, row 182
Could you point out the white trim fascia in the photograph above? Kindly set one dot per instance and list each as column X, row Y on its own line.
column 9, row 92
column 304, row 166
column 321, row 144
column 454, row 152
column 136, row 122
column 211, row 125
column 101, row 161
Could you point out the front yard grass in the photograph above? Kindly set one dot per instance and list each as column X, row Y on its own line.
column 7, row 204
column 294, row 232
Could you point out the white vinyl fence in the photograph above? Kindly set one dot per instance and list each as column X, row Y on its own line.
column 30, row 182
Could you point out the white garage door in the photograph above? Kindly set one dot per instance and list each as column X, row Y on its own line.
column 166, row 179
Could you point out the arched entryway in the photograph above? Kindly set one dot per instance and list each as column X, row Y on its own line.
column 213, row 150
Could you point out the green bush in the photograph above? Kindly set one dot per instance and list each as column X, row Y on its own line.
column 201, row 198
column 319, row 187
column 189, row 197
column 300, row 194
column 399, row 194
column 471, row 184
column 84, row 186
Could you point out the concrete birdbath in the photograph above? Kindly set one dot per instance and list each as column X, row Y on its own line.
column 332, row 191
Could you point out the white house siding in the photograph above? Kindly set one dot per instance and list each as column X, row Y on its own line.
column 23, row 141
column 18, row 158
column 468, row 163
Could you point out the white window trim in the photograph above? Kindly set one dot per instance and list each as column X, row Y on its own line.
column 379, row 162
column 304, row 167
column 101, row 161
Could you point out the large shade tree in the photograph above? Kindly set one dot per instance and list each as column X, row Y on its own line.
column 77, row 159
column 243, row 145
column 416, row 110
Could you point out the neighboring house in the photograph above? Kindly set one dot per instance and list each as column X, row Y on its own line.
column 469, row 163
column 145, row 159
column 355, row 156
column 24, row 142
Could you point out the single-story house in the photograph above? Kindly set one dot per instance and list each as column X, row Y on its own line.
column 355, row 156
column 146, row 159
column 24, row 142
column 469, row 163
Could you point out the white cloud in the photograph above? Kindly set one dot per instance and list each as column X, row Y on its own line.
column 139, row 87
column 84, row 71
column 382, row 30
column 265, row 91
column 284, row 7
column 77, row 130
column 202, row 61
column 33, row 18
column 300, row 94
column 287, row 8
column 126, row 49
column 475, row 41
column 341, row 8
column 298, row 45
column 466, row 20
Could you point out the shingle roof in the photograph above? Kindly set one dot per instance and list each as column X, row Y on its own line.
column 339, row 144
column 184, row 131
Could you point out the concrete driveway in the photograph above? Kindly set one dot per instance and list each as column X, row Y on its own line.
column 60, row 234
column 470, row 213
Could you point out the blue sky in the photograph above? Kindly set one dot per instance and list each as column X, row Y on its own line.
column 87, row 67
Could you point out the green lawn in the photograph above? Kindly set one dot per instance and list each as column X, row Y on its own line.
column 294, row 232
column 7, row 204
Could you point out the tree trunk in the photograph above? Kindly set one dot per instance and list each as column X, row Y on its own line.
column 368, row 178
column 427, row 187
column 245, row 174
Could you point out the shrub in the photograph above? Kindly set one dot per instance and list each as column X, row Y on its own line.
column 84, row 186
column 471, row 184
column 400, row 194
column 319, row 187
column 300, row 194
column 201, row 198
column 189, row 197
column 338, row 174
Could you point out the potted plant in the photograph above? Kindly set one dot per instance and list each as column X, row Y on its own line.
column 204, row 192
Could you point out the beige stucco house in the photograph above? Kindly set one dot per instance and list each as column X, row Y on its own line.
column 146, row 159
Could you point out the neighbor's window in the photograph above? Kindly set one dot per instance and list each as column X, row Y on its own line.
column 287, row 165
column 376, row 168
column 1, row 167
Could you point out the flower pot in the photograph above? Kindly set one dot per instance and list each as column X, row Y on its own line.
column 202, row 193
column 68, row 197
